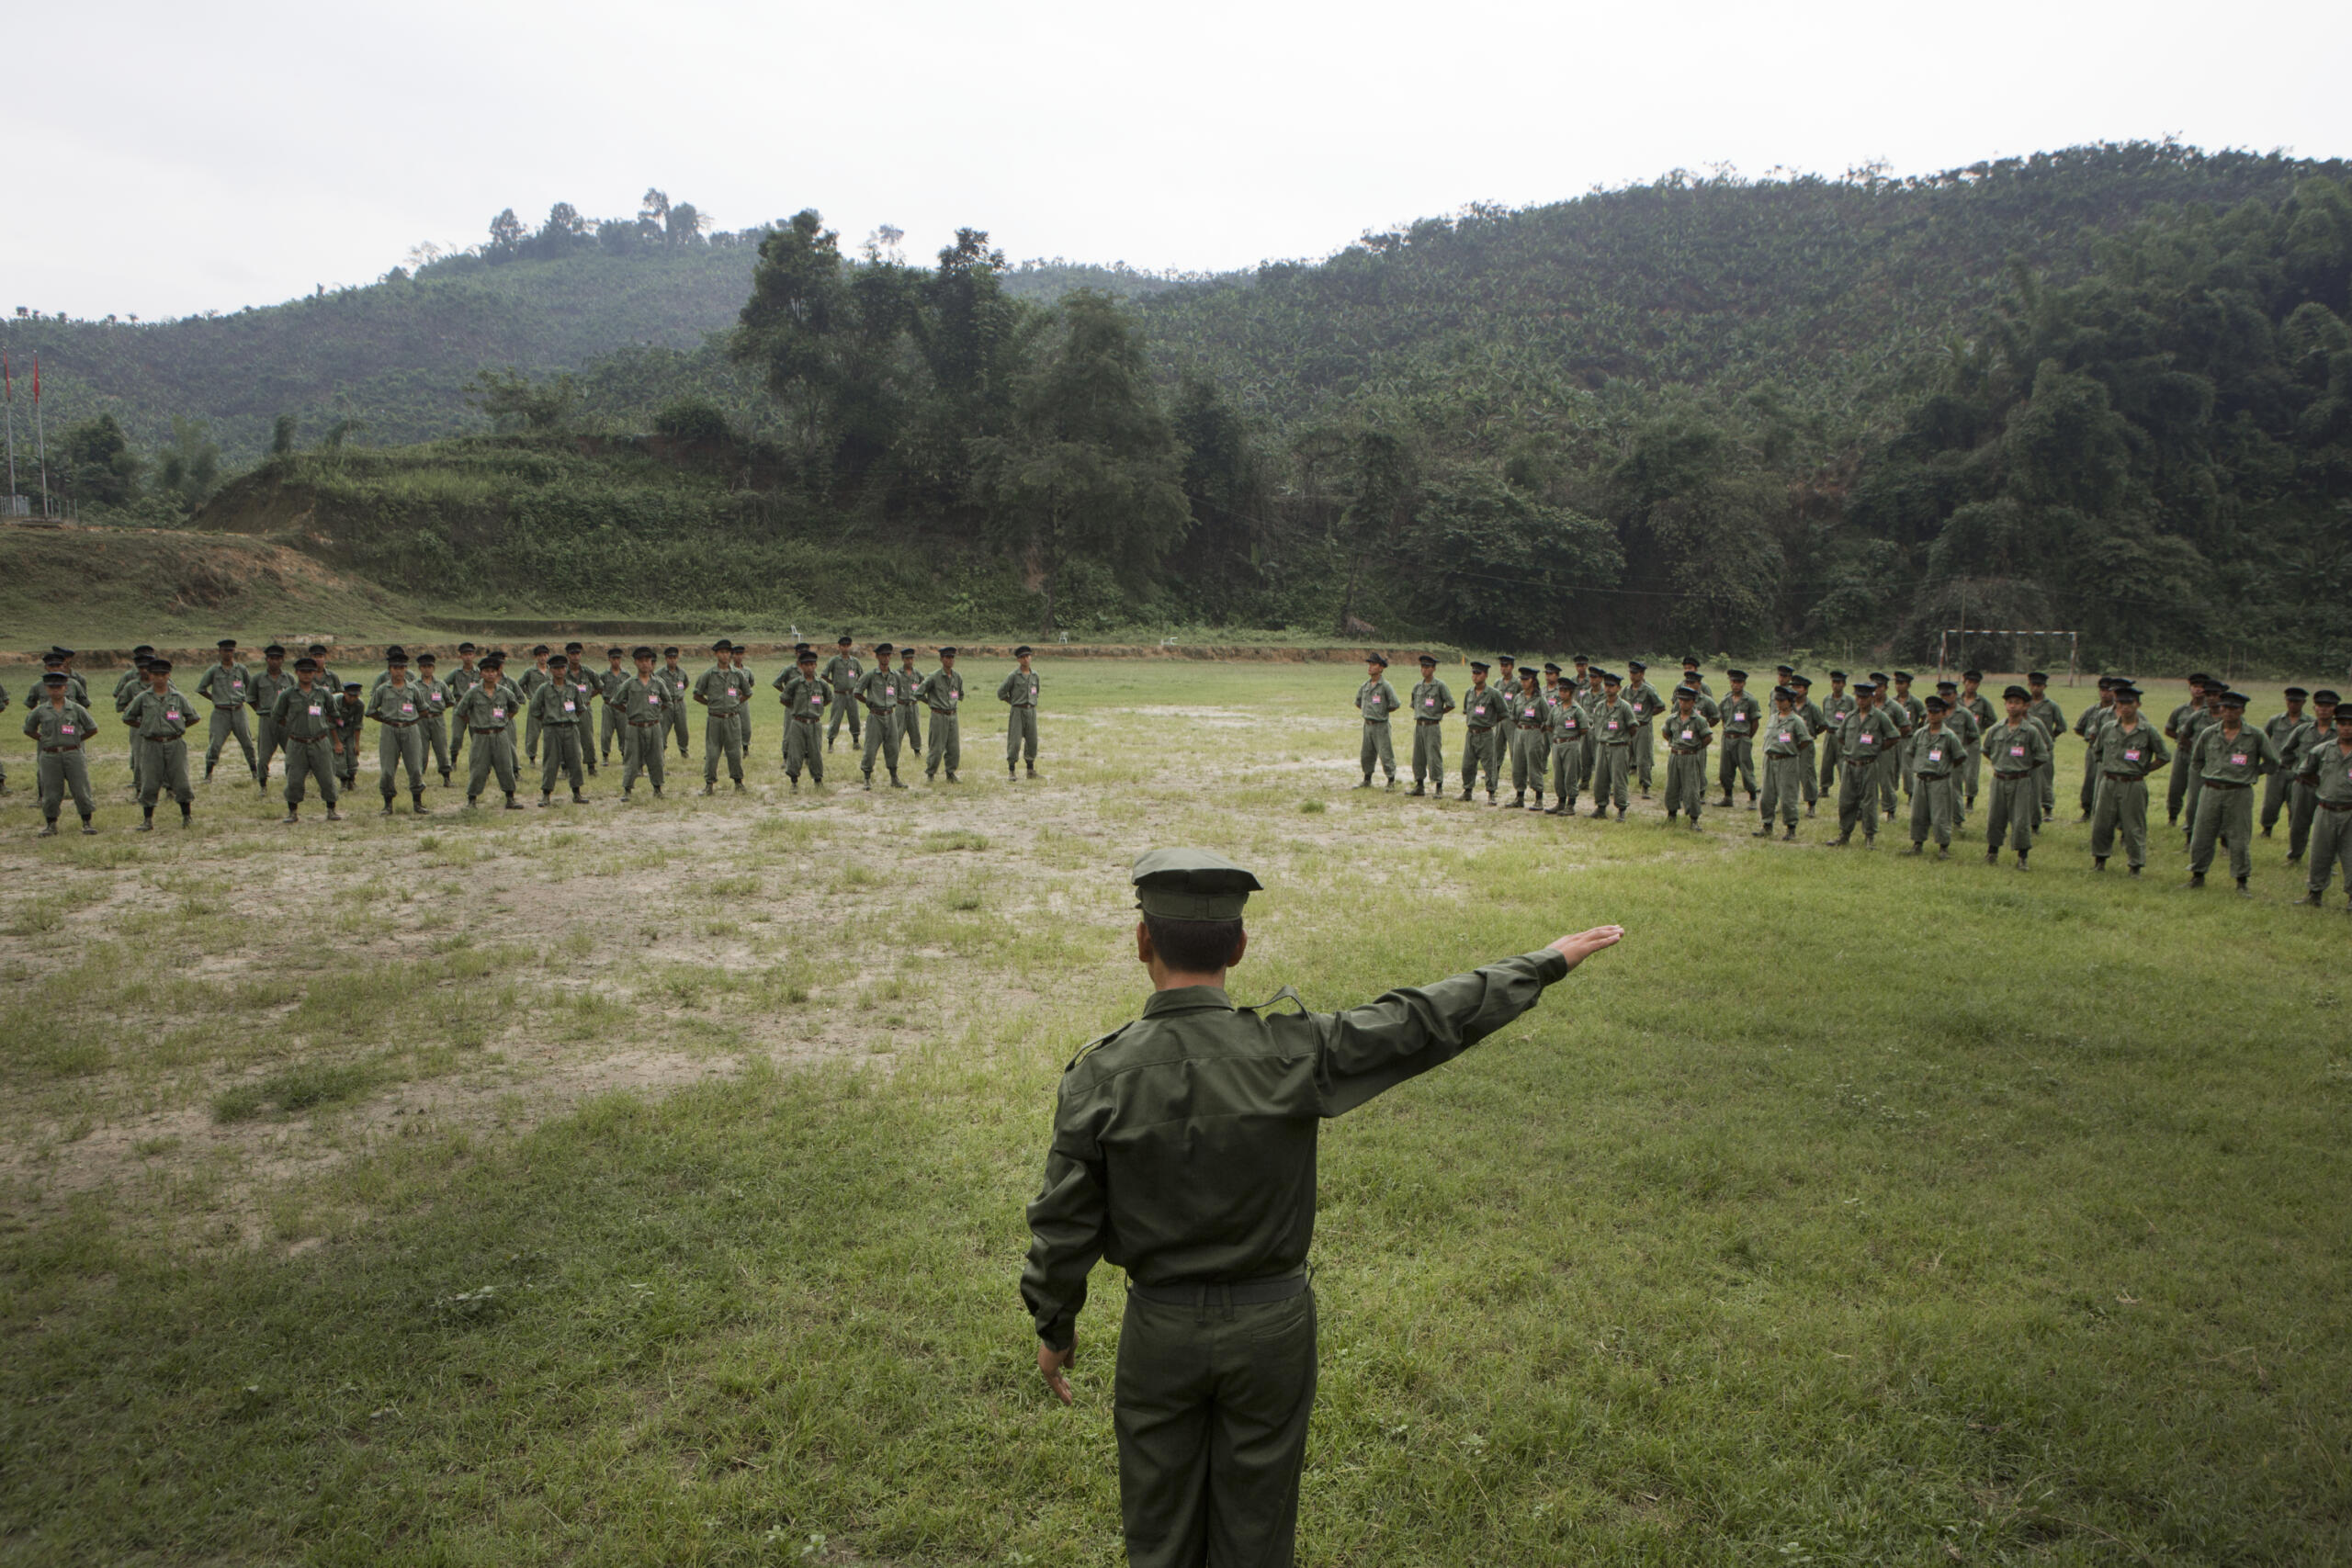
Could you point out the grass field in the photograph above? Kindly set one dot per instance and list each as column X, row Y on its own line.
column 645, row 1185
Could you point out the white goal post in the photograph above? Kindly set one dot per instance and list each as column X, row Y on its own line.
column 1955, row 634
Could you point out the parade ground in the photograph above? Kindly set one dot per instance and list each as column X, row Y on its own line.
column 644, row 1183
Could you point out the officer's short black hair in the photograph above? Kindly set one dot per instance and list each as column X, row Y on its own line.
column 1193, row 946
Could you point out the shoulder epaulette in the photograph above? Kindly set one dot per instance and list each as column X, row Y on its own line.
column 1289, row 993
column 1096, row 1045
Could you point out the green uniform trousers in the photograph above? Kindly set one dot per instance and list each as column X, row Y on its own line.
column 163, row 770
column 1568, row 764
column 1932, row 810
column 530, row 732
column 743, row 728
column 1784, row 782
column 677, row 725
column 610, row 727
column 59, row 771
column 2177, row 790
column 1481, row 748
column 1829, row 760
column 2303, row 807
column 1645, row 754
column 310, row 761
column 399, row 746
column 1805, row 773
column 2047, row 775
column 804, row 746
column 2275, row 790
column 1211, row 1407
column 561, row 757
column 2223, row 812
column 1429, row 750
column 1611, row 762
column 910, row 722
column 226, row 722
column 435, row 729
column 2013, row 811
column 642, row 750
column 1738, row 759
column 947, row 744
column 721, row 738
column 1377, row 750
column 1968, row 789
column 492, row 750
column 2090, row 779
column 1886, row 775
column 882, row 736
column 267, row 743
column 1020, row 735
column 1530, row 752
column 346, row 761
column 1857, row 798
column 846, row 707
column 2330, row 848
column 1686, row 782
column 2120, row 808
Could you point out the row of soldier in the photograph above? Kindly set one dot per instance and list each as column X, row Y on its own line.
column 1593, row 729
column 425, row 722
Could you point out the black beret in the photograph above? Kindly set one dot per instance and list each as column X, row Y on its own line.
column 2019, row 692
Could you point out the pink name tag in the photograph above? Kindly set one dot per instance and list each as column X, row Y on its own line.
column 2237, row 759
column 1686, row 735
column 1868, row 737
column 408, row 707
column 1613, row 724
column 2131, row 756
column 2016, row 750
column 890, row 690
column 1429, row 702
column 653, row 699
column 236, row 685
column 315, row 710
column 64, row 729
column 1935, row 756
column 494, row 713
column 1785, row 738
column 731, row 691
column 568, row 707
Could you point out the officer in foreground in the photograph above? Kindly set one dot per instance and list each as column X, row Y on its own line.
column 1183, row 1151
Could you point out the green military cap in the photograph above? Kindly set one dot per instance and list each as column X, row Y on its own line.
column 306, row 664
column 1024, row 652
column 1947, row 685
column 574, row 648
column 277, row 651
column 884, row 649
column 2295, row 692
column 1871, row 686
column 1611, row 678
column 396, row 659
column 617, row 653
column 1191, row 885
column 2199, row 678
column 1972, row 674
column 1936, row 705
column 669, row 652
column 228, row 643
column 1637, row 666
column 1784, row 669
column 806, row 656
column 2127, row 694
column 1379, row 658
column 1690, row 692
column 559, row 659
column 1836, row 674
column 395, row 651
column 425, row 661
column 163, row 664
column 1903, row 674
column 2019, row 692
column 316, row 648
column 1878, row 675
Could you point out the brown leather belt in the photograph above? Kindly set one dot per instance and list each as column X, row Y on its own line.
column 2127, row 778
column 53, row 751
column 1688, row 751
column 2027, row 774
column 2333, row 804
column 1416, row 721
column 397, row 723
column 2222, row 783
column 646, row 723
column 479, row 730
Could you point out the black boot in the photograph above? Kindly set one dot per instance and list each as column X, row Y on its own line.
column 147, row 822
column 2197, row 879
column 2098, row 863
column 416, row 802
column 2244, row 891
column 187, row 816
column 1790, row 836
column 89, row 828
column 1465, row 793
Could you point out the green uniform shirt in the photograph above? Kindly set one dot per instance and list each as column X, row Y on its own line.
column 485, row 707
column 225, row 686
column 1612, row 723
column 2327, row 770
column 2016, row 748
column 1688, row 734
column 2240, row 758
column 303, row 715
column 1526, row 707
column 1183, row 1144
column 1785, row 734
column 1837, row 708
column 1963, row 723
column 127, row 685
column 349, row 715
column 1907, row 712
column 1481, row 708
column 164, row 717
column 805, row 696
column 2281, row 729
column 2132, row 753
column 557, row 702
column 1740, row 715
column 1810, row 711
column 910, row 683
column 2052, row 721
column 265, row 689
column 432, row 694
column 1377, row 699
column 461, row 680
column 1645, row 701
column 643, row 701
column 58, row 729
column 1980, row 708
column 1937, row 754
column 404, row 704
column 1867, row 736
column 1431, row 700
column 944, row 690
column 532, row 678
column 878, row 689
column 843, row 673
column 1021, row 690
column 2094, row 719
column 1570, row 721
column 720, row 689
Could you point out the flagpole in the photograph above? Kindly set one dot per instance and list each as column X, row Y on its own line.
column 8, row 382
column 40, row 437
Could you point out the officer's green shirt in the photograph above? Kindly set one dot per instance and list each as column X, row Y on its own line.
column 2052, row 721
column 644, row 700
column 1021, row 690
column 266, row 688
column 1432, row 699
column 485, row 707
column 2280, row 726
column 805, row 696
column 720, row 689
column 1937, row 754
column 1963, row 723
column 1814, row 720
column 2016, row 748
column 944, row 690
column 1867, row 736
column 432, row 694
column 612, row 684
column 878, row 689
column 2233, row 759
column 349, row 714
column 1837, row 708
column 225, row 686
column 844, row 673
column 154, row 717
column 1612, row 723
column 303, row 715
column 532, row 678
column 1483, row 707
column 1980, row 708
column 1183, row 1144
column 557, row 702
column 461, row 680
column 1377, row 699
column 404, row 704
column 1686, row 734
column 53, row 728
column 2176, row 724
column 2132, row 750
column 911, row 684
column 1907, row 712
column 1645, row 701
column 2094, row 719
column 127, row 685
column 1740, row 715
column 2326, row 770
column 1526, row 707
column 1785, row 734
column 1570, row 722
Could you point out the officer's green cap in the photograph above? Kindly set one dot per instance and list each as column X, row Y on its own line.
column 1191, row 885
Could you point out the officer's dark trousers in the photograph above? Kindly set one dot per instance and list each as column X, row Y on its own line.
column 1211, row 1409
column 1481, row 748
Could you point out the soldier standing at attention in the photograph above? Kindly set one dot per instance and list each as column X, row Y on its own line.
column 2326, row 769
column 464, row 678
column 303, row 720
column 2129, row 749
column 1810, row 712
column 227, row 685
column 2086, row 728
column 158, row 719
column 1867, row 735
column 2301, row 802
column 1482, row 710
column 432, row 703
column 612, row 726
column 397, row 708
column 2232, row 757
column 1698, row 683
column 127, row 685
column 749, row 681
column 2045, row 713
column 1978, row 707
column 271, row 682
column 1836, row 709
column 1935, row 764
column 350, row 719
column 1968, row 733
column 486, row 714
column 847, row 676
column 1647, row 705
column 1184, row 1152
column 586, row 686
column 645, row 701
column 1431, row 701
column 1531, row 724
column 1612, row 737
column 2179, row 729
column 1742, row 716
column 942, row 693
column 1507, row 682
column 1020, row 689
column 1375, row 700
column 878, row 693
column 532, row 678
column 1570, row 733
column 1908, row 712
column 1688, row 736
column 678, row 692
column 720, row 690
column 1784, row 765
column 1904, row 712
column 60, row 726
column 909, row 681
column 2018, row 749
column 2281, row 729
column 805, row 698
column 556, row 707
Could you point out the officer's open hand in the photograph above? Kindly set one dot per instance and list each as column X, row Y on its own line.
column 1584, row 944
column 1052, row 1364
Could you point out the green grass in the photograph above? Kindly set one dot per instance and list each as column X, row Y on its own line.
column 1855, row 1211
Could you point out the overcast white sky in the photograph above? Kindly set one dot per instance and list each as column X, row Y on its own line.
column 171, row 157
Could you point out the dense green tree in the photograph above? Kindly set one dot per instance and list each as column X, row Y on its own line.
column 281, row 435
column 513, row 402
column 100, row 467
column 190, row 466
